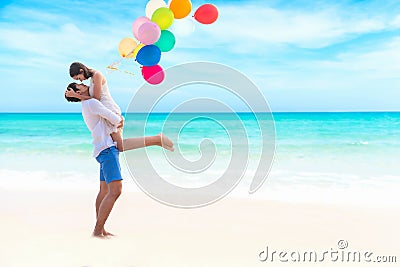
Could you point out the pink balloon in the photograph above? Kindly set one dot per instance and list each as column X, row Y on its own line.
column 153, row 74
column 149, row 33
column 137, row 23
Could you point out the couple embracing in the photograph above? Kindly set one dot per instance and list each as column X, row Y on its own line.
column 103, row 118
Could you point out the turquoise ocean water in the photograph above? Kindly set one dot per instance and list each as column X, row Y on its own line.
column 324, row 155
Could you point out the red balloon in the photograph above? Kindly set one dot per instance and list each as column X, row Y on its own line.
column 206, row 14
column 153, row 74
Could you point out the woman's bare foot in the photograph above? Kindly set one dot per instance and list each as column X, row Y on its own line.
column 165, row 142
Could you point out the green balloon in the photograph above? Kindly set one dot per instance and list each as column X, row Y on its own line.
column 166, row 41
column 163, row 17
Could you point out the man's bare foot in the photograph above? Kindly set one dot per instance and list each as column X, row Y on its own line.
column 166, row 143
column 105, row 233
column 99, row 235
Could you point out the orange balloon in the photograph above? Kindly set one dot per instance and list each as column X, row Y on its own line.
column 126, row 47
column 180, row 8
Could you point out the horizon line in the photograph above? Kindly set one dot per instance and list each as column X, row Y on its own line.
column 194, row 112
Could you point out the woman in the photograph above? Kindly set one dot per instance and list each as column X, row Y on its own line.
column 98, row 89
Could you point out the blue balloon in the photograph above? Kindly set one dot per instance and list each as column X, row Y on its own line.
column 148, row 55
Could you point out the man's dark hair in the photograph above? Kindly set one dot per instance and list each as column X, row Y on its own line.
column 73, row 87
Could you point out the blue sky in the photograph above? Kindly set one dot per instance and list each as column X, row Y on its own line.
column 303, row 55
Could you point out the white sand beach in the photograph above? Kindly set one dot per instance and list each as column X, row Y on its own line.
column 52, row 227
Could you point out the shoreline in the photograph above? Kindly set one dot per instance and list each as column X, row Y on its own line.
column 355, row 196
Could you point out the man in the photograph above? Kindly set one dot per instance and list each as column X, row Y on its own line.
column 94, row 114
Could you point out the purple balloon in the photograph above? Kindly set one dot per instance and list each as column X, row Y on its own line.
column 137, row 23
column 149, row 33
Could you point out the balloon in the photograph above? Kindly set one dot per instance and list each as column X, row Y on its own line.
column 183, row 27
column 166, row 41
column 153, row 74
column 136, row 51
column 137, row 23
column 153, row 5
column 149, row 55
column 149, row 33
column 126, row 47
column 206, row 14
column 163, row 17
column 180, row 8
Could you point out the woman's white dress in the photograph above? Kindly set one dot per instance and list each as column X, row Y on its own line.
column 108, row 102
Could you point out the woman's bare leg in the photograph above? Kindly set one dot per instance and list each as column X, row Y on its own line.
column 156, row 140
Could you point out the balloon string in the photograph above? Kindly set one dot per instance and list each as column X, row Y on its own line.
column 130, row 53
column 128, row 72
column 124, row 71
column 113, row 66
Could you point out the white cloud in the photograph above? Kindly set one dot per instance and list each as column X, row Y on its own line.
column 381, row 62
column 57, row 34
column 31, row 14
column 241, row 26
column 358, row 78
column 395, row 22
column 66, row 41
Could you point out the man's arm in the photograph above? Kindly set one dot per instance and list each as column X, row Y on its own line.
column 71, row 93
column 98, row 108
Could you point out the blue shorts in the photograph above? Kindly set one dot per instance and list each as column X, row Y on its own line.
column 110, row 170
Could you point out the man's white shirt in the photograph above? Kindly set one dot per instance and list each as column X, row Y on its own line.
column 94, row 114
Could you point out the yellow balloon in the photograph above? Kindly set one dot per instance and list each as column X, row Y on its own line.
column 126, row 47
column 163, row 17
column 134, row 54
column 180, row 8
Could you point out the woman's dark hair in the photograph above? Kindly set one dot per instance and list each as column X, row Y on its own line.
column 73, row 87
column 76, row 67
